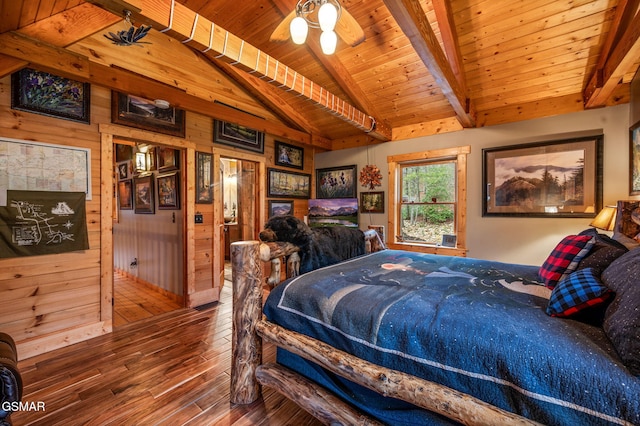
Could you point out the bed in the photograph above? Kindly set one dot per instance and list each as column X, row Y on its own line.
column 395, row 337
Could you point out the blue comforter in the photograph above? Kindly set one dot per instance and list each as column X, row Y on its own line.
column 476, row 326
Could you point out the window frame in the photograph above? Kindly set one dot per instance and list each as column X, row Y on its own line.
column 395, row 163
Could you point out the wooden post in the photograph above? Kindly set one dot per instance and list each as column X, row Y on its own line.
column 246, row 345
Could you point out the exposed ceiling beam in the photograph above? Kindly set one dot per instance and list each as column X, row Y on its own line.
column 414, row 24
column 449, row 35
column 199, row 33
column 334, row 67
column 262, row 91
column 62, row 62
column 9, row 65
column 617, row 57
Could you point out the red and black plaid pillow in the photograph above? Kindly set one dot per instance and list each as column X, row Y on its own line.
column 564, row 258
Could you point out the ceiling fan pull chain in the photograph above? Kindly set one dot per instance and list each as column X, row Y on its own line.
column 173, row 7
column 224, row 48
column 239, row 54
column 211, row 39
column 193, row 30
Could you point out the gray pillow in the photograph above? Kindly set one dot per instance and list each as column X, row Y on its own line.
column 622, row 318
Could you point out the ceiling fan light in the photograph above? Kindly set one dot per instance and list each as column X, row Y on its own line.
column 299, row 30
column 328, row 42
column 327, row 17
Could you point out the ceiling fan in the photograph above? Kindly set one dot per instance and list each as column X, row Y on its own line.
column 308, row 11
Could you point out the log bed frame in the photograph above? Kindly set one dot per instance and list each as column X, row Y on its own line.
column 248, row 372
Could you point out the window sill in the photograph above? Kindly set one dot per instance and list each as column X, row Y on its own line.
column 430, row 249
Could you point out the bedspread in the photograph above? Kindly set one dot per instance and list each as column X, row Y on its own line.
column 474, row 325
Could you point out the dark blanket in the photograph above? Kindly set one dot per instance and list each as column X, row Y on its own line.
column 474, row 325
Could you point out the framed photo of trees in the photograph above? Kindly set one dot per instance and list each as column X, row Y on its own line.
column 560, row 178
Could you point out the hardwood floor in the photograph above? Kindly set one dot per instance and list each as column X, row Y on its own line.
column 171, row 368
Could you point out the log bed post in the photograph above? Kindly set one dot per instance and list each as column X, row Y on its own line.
column 246, row 345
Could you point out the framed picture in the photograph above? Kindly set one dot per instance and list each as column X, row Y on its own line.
column 549, row 179
column 336, row 182
column 143, row 201
column 280, row 207
column 448, row 240
column 123, row 152
column 333, row 212
column 145, row 114
column 168, row 191
column 634, row 159
column 282, row 183
column 125, row 195
column 152, row 158
column 238, row 136
column 372, row 202
column 289, row 155
column 125, row 170
column 204, row 178
column 141, row 162
column 168, row 158
column 48, row 94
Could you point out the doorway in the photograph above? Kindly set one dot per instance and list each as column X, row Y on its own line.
column 239, row 178
column 148, row 229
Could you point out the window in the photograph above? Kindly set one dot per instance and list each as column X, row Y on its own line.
column 428, row 196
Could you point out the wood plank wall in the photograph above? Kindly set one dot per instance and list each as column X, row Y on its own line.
column 51, row 301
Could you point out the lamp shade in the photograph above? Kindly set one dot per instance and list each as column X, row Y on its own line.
column 299, row 30
column 606, row 219
column 328, row 42
column 327, row 17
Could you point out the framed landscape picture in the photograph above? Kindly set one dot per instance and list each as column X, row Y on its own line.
column 282, row 183
column 280, row 207
column 204, row 178
column 145, row 114
column 289, row 155
column 336, row 182
column 47, row 94
column 634, row 159
column 372, row 202
column 548, row 179
column 238, row 136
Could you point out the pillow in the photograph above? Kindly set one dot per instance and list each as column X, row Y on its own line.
column 564, row 258
column 580, row 290
column 604, row 251
column 622, row 318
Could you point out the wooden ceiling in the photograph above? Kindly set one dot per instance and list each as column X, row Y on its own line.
column 425, row 67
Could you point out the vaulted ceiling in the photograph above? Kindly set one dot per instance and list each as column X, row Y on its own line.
column 425, row 66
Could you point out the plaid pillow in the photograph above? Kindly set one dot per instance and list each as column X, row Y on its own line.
column 580, row 290
column 564, row 258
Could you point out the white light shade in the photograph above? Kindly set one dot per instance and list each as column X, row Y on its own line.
column 327, row 17
column 328, row 42
column 299, row 30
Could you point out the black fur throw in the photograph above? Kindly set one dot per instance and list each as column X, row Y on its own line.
column 320, row 246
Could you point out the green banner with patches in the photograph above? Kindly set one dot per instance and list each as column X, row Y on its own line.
column 39, row 222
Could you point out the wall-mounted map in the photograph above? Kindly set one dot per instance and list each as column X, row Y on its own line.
column 34, row 166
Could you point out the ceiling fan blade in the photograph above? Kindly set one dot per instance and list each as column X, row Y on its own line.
column 281, row 33
column 349, row 30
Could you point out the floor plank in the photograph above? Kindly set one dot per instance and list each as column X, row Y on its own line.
column 162, row 365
